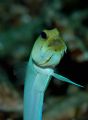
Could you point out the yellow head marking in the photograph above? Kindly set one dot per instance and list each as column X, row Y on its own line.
column 48, row 48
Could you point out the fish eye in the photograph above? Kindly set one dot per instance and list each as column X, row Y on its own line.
column 43, row 35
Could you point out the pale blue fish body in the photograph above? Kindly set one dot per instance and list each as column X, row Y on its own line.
column 47, row 52
column 36, row 84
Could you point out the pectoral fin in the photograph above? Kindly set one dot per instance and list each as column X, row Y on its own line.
column 62, row 78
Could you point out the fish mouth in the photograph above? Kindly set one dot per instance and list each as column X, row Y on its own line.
column 43, row 64
column 46, row 63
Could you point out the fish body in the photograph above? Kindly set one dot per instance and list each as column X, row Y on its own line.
column 47, row 52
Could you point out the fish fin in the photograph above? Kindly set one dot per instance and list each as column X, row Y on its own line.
column 62, row 78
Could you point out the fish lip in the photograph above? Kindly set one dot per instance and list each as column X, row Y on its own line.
column 47, row 60
column 42, row 65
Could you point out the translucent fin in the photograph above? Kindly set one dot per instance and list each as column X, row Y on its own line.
column 62, row 78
